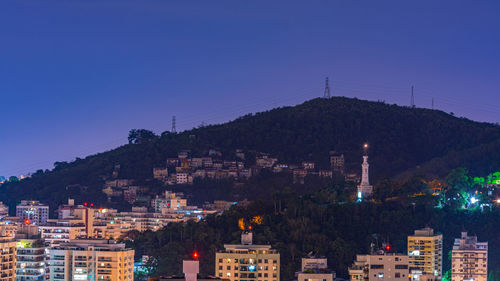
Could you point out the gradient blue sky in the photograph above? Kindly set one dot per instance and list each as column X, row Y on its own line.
column 76, row 76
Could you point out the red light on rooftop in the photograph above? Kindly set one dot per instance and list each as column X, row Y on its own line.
column 195, row 255
column 85, row 204
column 27, row 221
column 91, row 204
column 387, row 247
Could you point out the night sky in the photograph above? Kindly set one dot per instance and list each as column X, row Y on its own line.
column 76, row 76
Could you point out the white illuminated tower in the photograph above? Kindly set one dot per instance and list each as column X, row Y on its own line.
column 364, row 188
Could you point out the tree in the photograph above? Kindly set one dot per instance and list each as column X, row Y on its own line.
column 459, row 184
column 13, row 179
column 137, row 136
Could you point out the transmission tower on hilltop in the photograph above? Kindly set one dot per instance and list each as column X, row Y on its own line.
column 327, row 95
column 174, row 130
column 412, row 101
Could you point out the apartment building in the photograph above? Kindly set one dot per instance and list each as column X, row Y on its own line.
column 91, row 260
column 33, row 211
column 247, row 261
column 425, row 253
column 378, row 267
column 7, row 259
column 31, row 262
column 469, row 259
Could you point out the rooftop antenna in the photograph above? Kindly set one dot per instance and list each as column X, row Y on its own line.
column 432, row 103
column 412, row 102
column 327, row 90
column 174, row 130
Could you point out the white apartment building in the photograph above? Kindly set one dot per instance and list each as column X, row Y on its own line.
column 92, row 260
column 469, row 259
column 380, row 267
column 33, row 211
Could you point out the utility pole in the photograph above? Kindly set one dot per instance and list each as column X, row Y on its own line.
column 326, row 94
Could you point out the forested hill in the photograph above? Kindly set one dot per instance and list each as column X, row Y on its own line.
column 400, row 139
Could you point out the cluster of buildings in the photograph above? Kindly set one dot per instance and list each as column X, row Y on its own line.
column 247, row 261
column 424, row 260
column 77, row 221
column 80, row 243
column 184, row 169
column 337, row 165
column 26, row 259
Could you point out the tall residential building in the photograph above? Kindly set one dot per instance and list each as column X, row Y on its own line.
column 425, row 253
column 7, row 259
column 247, row 261
column 469, row 259
column 31, row 263
column 91, row 260
column 315, row 269
column 386, row 267
column 364, row 188
column 34, row 211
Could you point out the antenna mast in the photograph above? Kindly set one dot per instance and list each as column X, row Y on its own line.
column 327, row 90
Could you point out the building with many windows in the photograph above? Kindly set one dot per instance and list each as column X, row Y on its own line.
column 91, row 260
column 469, row 259
column 33, row 211
column 425, row 253
column 7, row 259
column 387, row 267
column 31, row 263
column 247, row 261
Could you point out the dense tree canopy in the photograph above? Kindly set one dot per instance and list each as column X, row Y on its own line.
column 403, row 141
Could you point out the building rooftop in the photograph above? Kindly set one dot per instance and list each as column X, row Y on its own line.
column 424, row 232
column 97, row 244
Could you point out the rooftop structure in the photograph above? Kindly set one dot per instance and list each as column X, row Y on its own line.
column 315, row 269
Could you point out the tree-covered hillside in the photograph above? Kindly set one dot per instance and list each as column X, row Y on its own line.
column 400, row 139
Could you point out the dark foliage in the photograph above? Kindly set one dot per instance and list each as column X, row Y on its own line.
column 400, row 139
column 313, row 224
